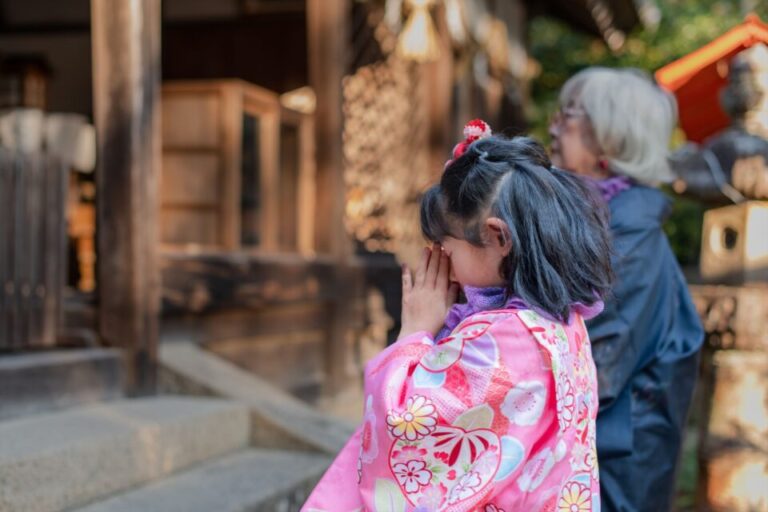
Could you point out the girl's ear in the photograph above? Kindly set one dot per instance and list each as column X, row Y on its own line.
column 498, row 234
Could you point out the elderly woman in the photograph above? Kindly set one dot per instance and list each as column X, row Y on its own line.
column 614, row 127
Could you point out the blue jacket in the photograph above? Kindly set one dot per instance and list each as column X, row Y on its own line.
column 645, row 345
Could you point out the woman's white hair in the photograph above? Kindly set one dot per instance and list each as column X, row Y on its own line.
column 632, row 120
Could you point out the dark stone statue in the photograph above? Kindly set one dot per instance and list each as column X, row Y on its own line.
column 732, row 166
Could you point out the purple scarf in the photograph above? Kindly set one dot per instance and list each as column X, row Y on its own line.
column 486, row 299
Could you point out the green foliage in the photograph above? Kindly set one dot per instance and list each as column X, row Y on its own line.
column 688, row 473
column 683, row 228
column 685, row 26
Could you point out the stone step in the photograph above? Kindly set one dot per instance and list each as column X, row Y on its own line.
column 278, row 420
column 51, row 462
column 46, row 381
column 252, row 480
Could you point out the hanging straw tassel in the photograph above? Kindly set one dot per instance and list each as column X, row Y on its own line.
column 418, row 40
column 393, row 13
column 455, row 18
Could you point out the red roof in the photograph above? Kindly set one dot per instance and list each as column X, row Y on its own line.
column 697, row 78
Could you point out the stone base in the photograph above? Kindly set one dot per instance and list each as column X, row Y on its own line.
column 738, row 482
column 734, row 429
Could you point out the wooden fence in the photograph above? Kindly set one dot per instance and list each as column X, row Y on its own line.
column 32, row 249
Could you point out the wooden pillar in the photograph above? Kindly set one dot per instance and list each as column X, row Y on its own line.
column 327, row 22
column 126, row 78
column 327, row 38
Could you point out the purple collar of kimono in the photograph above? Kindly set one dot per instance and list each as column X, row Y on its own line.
column 613, row 186
column 485, row 299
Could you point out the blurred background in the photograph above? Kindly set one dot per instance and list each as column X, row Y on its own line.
column 204, row 205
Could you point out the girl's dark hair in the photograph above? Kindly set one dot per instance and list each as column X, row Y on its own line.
column 558, row 225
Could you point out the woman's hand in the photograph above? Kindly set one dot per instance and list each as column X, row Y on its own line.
column 429, row 294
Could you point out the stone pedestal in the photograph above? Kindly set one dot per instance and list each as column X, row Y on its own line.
column 733, row 449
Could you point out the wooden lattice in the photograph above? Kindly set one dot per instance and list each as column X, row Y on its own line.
column 386, row 150
column 33, row 191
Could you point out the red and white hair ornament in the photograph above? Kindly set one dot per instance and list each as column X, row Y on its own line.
column 474, row 130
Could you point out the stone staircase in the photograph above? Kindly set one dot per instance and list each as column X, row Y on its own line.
column 53, row 380
column 278, row 419
column 244, row 447
column 249, row 480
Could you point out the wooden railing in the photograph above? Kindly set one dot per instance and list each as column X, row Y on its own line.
column 32, row 249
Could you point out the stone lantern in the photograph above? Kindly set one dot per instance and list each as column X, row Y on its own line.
column 729, row 170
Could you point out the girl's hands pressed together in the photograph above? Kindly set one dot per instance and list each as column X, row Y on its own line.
column 429, row 294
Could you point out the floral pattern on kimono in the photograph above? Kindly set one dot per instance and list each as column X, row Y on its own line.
column 498, row 416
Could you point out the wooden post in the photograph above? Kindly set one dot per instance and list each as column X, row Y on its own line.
column 126, row 79
column 327, row 25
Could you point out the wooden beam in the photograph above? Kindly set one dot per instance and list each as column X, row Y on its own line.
column 327, row 39
column 204, row 283
column 256, row 7
column 126, row 78
column 23, row 29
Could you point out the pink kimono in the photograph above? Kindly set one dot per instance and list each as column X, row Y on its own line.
column 497, row 417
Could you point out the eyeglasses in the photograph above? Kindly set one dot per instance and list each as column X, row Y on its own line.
column 564, row 114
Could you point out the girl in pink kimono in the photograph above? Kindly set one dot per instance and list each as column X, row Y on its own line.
column 488, row 405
